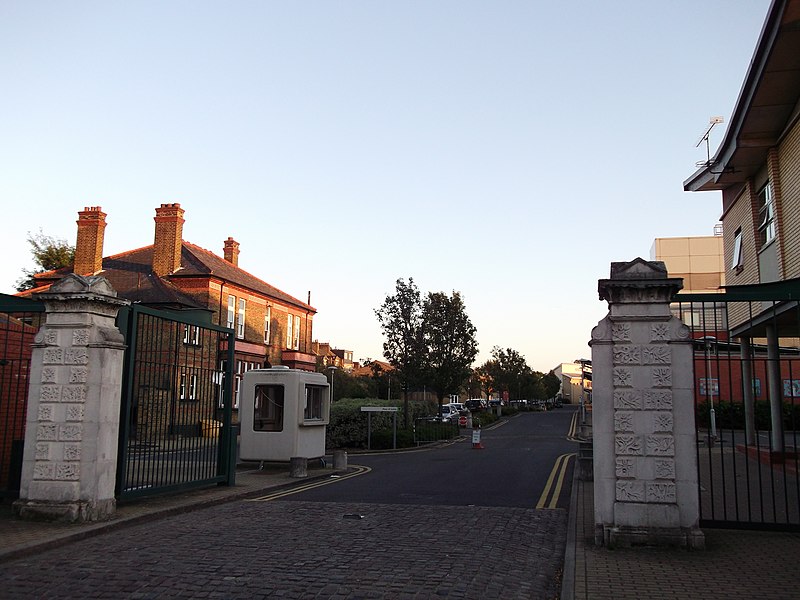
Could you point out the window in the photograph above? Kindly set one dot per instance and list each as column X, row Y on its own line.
column 737, row 262
column 268, row 408
column 314, row 395
column 708, row 384
column 188, row 386
column 191, row 335
column 296, row 340
column 267, row 320
column 231, row 311
column 240, row 328
column 766, row 212
column 289, row 336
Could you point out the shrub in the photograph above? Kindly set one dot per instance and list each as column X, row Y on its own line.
column 348, row 425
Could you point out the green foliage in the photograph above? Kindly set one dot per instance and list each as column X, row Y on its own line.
column 730, row 415
column 484, row 418
column 450, row 343
column 49, row 253
column 507, row 371
column 348, row 425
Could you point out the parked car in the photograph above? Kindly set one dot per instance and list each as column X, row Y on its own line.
column 449, row 412
column 475, row 404
column 495, row 402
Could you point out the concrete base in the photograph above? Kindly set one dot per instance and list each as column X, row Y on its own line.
column 339, row 460
column 298, row 467
column 65, row 512
column 628, row 537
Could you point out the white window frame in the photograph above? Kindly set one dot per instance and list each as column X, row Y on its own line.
column 231, row 311
column 766, row 212
column 267, row 325
column 296, row 340
column 191, row 335
column 738, row 256
column 289, row 336
column 240, row 328
column 191, row 393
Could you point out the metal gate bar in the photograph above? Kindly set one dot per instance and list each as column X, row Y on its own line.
column 747, row 387
column 175, row 430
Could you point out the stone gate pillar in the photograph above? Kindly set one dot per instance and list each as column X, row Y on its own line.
column 645, row 462
column 72, row 427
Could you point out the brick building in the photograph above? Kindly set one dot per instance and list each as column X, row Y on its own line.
column 271, row 327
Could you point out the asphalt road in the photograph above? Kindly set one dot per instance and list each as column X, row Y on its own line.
column 453, row 522
column 512, row 469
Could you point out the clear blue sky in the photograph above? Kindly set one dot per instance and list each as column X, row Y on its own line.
column 510, row 150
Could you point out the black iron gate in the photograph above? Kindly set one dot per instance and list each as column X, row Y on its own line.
column 747, row 404
column 175, row 427
column 20, row 319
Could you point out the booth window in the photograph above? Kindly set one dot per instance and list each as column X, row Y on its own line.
column 314, row 395
column 268, row 408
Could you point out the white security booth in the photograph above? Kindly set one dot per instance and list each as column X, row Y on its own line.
column 282, row 414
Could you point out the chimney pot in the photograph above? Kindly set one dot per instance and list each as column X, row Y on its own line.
column 231, row 251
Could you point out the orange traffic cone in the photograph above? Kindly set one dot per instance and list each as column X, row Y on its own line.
column 476, row 438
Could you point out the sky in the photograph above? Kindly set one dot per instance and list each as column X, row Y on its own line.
column 507, row 150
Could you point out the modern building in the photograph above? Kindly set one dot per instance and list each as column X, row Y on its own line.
column 698, row 260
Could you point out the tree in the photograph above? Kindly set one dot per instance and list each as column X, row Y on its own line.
column 551, row 385
column 508, row 372
column 400, row 318
column 49, row 253
column 450, row 343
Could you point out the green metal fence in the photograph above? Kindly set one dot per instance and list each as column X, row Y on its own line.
column 175, row 430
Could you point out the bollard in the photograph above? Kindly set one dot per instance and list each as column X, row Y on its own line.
column 298, row 466
column 340, row 460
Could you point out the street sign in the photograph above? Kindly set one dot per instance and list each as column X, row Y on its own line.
column 379, row 409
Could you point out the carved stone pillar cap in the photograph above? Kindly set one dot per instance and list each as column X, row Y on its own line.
column 72, row 286
column 639, row 281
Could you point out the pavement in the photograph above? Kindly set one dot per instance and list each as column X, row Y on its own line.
column 735, row 564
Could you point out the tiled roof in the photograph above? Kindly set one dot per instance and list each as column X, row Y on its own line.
column 131, row 275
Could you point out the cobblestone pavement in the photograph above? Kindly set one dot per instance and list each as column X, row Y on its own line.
column 251, row 549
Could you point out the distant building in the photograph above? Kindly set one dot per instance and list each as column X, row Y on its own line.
column 698, row 260
column 575, row 382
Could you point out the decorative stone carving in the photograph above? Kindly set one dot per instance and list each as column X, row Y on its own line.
column 68, row 472
column 44, row 470
column 662, row 422
column 661, row 492
column 626, row 467
column 50, row 393
column 48, row 375
column 659, row 332
column 42, row 451
column 76, row 356
column 665, row 468
column 657, row 400
column 53, row 356
column 45, row 412
column 660, row 445
column 72, row 451
column 46, row 433
column 628, row 444
column 623, row 421
column 78, row 374
column 74, row 393
column 621, row 332
column 80, row 337
column 75, row 412
column 630, row 491
column 623, row 377
column 627, row 354
column 629, row 399
column 655, row 355
column 70, row 433
column 662, row 377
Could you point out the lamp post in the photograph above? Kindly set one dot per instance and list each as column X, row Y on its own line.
column 332, row 369
column 709, row 342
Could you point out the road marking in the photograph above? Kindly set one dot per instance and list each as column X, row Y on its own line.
column 359, row 470
column 573, row 427
column 557, row 476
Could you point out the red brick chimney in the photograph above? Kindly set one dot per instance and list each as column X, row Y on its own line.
column 232, row 251
column 168, row 239
column 89, row 244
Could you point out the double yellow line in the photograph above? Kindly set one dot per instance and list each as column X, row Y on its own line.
column 357, row 470
column 557, row 477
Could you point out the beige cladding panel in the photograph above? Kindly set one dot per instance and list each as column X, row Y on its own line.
column 790, row 192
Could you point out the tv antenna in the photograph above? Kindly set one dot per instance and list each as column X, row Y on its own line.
column 711, row 122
